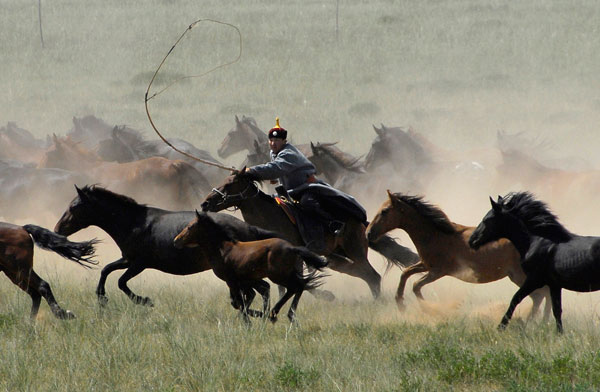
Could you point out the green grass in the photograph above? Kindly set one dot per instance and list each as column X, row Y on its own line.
column 193, row 340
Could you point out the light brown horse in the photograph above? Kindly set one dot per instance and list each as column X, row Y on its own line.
column 444, row 249
column 16, row 261
column 244, row 265
column 168, row 183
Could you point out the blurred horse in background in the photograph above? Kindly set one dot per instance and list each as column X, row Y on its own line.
column 334, row 164
column 27, row 192
column 444, row 250
column 242, row 137
column 16, row 261
column 157, row 180
column 19, row 144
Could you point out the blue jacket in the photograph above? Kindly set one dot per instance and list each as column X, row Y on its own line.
column 289, row 165
column 292, row 169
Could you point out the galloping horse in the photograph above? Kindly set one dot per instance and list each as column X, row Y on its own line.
column 180, row 184
column 20, row 144
column 259, row 209
column 443, row 248
column 144, row 235
column 551, row 255
column 245, row 264
column 16, row 261
column 334, row 163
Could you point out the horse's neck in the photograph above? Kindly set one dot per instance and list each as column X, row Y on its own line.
column 521, row 239
column 420, row 230
column 261, row 211
column 123, row 229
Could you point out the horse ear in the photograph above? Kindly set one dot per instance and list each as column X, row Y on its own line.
column 54, row 138
column 500, row 200
column 237, row 120
column 495, row 206
column 81, row 193
column 392, row 197
column 197, row 214
column 313, row 148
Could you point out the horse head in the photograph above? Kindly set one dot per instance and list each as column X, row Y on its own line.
column 78, row 214
column 236, row 188
column 242, row 135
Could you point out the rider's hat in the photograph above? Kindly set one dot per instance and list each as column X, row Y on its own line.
column 277, row 131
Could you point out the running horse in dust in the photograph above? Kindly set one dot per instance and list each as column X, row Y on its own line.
column 444, row 249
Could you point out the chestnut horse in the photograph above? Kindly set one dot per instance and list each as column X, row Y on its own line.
column 241, row 190
column 180, row 184
column 244, row 264
column 16, row 261
column 444, row 249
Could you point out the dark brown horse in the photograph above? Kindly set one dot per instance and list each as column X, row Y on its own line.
column 180, row 184
column 259, row 209
column 444, row 249
column 16, row 261
column 244, row 265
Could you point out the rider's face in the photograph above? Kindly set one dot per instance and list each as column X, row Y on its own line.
column 276, row 144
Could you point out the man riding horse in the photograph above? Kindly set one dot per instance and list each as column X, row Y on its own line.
column 321, row 206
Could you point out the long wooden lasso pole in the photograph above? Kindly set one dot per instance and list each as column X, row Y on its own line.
column 147, row 98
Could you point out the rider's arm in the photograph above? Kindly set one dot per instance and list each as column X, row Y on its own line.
column 283, row 164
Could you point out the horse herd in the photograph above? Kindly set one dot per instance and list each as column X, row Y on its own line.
column 519, row 238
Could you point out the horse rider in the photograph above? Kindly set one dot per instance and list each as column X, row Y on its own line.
column 321, row 205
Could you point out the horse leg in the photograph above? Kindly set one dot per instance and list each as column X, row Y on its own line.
column 37, row 288
column 292, row 312
column 429, row 277
column 413, row 269
column 115, row 265
column 555, row 294
column 275, row 311
column 527, row 288
column 130, row 273
column 264, row 289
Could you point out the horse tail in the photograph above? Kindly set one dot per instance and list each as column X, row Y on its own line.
column 79, row 252
column 312, row 279
column 395, row 254
column 311, row 259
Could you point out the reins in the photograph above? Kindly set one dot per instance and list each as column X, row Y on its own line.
column 147, row 98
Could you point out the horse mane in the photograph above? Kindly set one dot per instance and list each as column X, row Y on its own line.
column 536, row 216
column 251, row 122
column 100, row 193
column 429, row 212
column 344, row 159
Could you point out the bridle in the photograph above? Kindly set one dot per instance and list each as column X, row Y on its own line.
column 243, row 195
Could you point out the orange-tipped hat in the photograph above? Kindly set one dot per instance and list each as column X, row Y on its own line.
column 277, row 131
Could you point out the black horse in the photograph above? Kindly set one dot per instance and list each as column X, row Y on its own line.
column 144, row 235
column 550, row 254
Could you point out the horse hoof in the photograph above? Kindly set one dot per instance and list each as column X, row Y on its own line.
column 273, row 318
column 400, row 305
column 102, row 300
column 65, row 315
column 501, row 327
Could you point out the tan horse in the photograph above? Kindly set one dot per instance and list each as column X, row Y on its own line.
column 444, row 249
column 159, row 181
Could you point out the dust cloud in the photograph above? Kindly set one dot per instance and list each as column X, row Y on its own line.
column 457, row 73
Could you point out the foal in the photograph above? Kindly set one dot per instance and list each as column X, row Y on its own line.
column 243, row 265
column 16, row 261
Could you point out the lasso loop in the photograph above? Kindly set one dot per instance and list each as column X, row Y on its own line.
column 146, row 98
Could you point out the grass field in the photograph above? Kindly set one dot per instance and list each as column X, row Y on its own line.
column 457, row 71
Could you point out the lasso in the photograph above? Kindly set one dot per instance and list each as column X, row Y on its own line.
column 146, row 98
